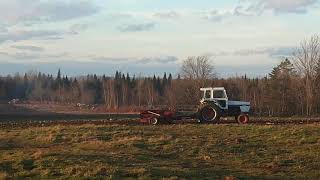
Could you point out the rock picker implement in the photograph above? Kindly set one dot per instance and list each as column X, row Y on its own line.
column 214, row 105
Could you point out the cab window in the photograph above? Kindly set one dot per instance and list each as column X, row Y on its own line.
column 207, row 95
column 219, row 94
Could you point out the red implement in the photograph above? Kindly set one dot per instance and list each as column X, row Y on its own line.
column 157, row 116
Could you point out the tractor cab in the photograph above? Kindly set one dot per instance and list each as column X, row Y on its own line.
column 217, row 95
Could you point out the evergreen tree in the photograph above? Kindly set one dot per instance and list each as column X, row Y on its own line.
column 170, row 79
column 164, row 83
column 59, row 76
column 158, row 86
column 154, row 81
column 280, row 87
column 66, row 82
column 165, row 80
column 128, row 79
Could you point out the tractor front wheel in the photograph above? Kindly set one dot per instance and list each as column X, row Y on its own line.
column 243, row 119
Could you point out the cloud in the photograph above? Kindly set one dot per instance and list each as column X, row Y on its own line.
column 280, row 6
column 257, row 7
column 137, row 27
column 158, row 60
column 21, row 56
column 18, row 11
column 20, row 35
column 77, row 28
column 155, row 16
column 49, row 63
column 58, row 55
column 167, row 15
column 272, row 52
column 119, row 16
column 146, row 60
column 4, row 53
column 39, row 56
column 28, row 48
column 151, row 15
column 107, row 59
column 32, row 53
column 220, row 15
column 3, row 29
column 282, row 51
column 215, row 15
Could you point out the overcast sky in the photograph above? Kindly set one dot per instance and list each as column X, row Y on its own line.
column 151, row 36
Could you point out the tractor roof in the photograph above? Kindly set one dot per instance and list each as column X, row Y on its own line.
column 212, row 88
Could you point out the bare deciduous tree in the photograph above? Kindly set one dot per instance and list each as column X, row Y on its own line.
column 306, row 59
column 197, row 68
column 198, row 71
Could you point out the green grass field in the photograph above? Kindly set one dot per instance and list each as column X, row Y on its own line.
column 162, row 152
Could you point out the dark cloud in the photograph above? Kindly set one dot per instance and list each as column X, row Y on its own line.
column 28, row 48
column 27, row 35
column 137, row 27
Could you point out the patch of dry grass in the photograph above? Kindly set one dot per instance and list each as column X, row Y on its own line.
column 163, row 152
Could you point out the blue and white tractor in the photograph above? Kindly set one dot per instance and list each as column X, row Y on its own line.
column 216, row 104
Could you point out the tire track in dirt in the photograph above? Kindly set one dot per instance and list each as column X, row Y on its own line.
column 124, row 119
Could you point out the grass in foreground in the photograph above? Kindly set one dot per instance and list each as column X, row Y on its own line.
column 163, row 152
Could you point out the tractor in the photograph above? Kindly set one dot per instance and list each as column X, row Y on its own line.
column 213, row 105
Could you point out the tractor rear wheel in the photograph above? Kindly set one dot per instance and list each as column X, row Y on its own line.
column 209, row 114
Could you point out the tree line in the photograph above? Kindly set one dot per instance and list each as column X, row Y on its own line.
column 291, row 88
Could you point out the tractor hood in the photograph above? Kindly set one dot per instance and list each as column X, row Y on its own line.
column 244, row 106
column 238, row 103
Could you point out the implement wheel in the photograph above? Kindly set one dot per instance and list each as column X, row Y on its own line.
column 209, row 114
column 154, row 121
